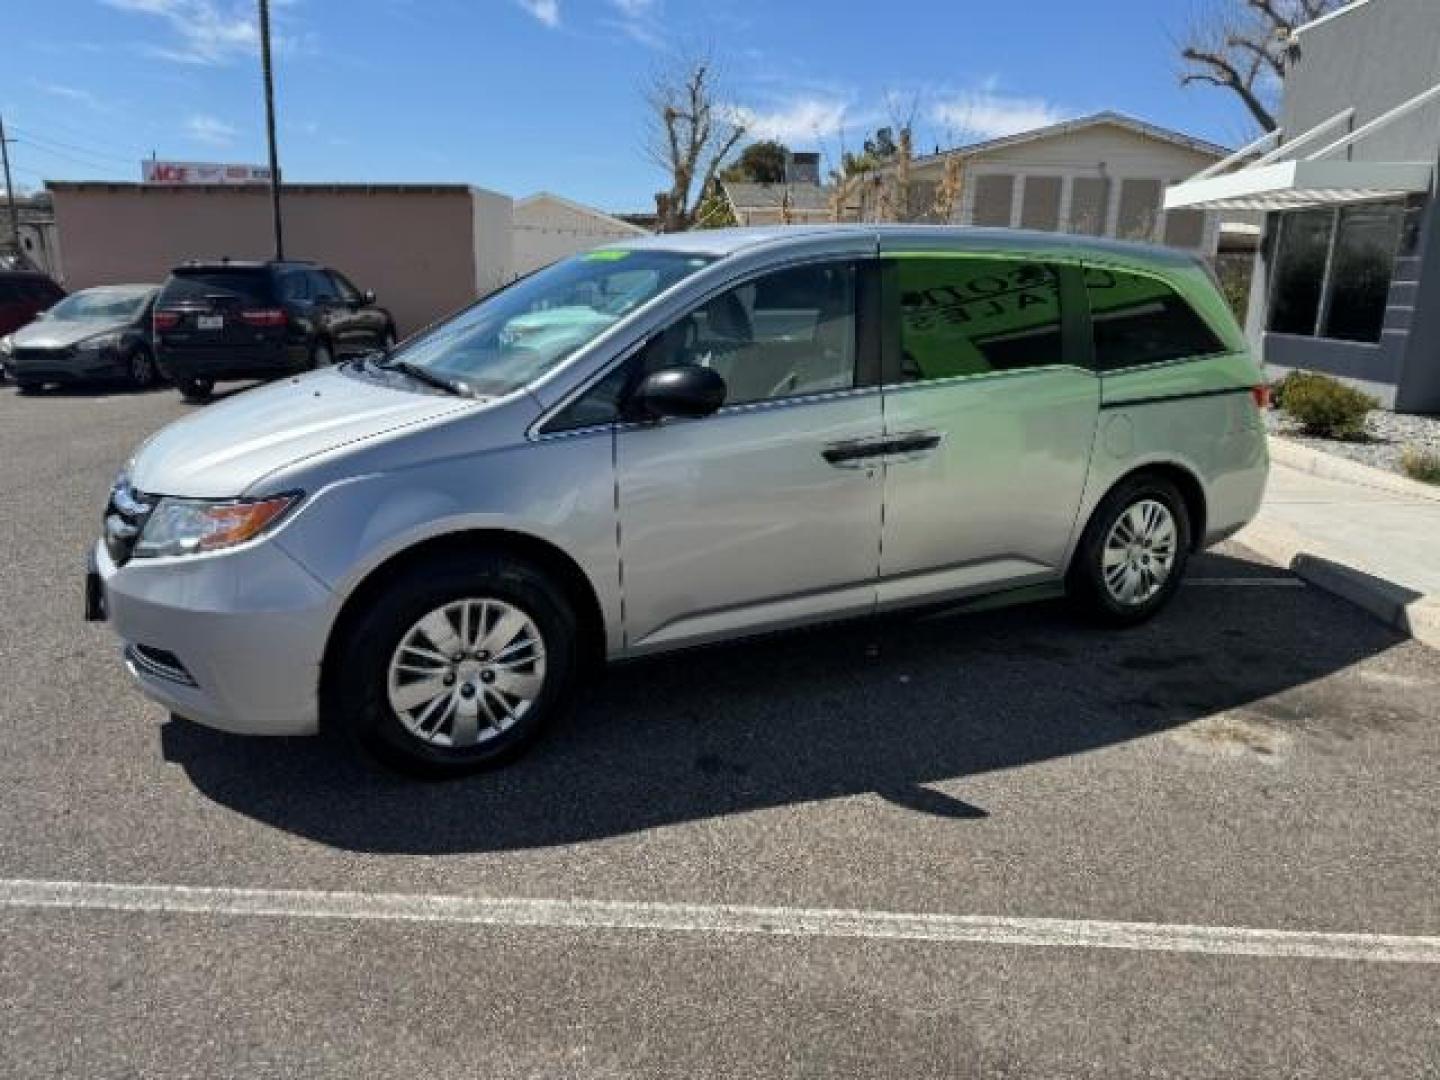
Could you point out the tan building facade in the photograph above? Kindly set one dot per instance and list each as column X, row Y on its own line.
column 549, row 228
column 1100, row 175
column 425, row 249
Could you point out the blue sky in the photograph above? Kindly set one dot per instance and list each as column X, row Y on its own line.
column 523, row 95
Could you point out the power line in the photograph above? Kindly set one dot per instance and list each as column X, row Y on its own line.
column 71, row 131
column 64, row 156
column 69, row 146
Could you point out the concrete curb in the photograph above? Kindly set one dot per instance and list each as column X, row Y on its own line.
column 1412, row 613
column 1307, row 459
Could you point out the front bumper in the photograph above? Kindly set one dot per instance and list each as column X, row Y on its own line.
column 246, row 627
column 180, row 361
column 65, row 366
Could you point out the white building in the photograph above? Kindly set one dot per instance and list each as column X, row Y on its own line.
column 548, row 228
column 1100, row 175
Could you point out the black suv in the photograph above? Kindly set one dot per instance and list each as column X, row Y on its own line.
column 259, row 320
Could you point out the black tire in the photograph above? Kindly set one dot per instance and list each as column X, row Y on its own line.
column 27, row 386
column 1086, row 582
column 358, row 696
column 140, row 369
column 194, row 389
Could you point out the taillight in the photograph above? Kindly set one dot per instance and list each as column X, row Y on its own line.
column 264, row 316
column 166, row 320
column 1261, row 394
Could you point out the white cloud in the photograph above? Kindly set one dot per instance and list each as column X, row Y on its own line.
column 984, row 114
column 72, row 93
column 798, row 121
column 210, row 130
column 205, row 32
column 639, row 20
column 547, row 11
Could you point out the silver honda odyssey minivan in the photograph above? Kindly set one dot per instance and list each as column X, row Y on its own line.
column 679, row 440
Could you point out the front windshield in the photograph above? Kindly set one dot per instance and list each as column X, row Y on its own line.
column 510, row 339
column 112, row 305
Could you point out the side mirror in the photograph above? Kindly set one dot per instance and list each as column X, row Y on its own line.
column 368, row 296
column 686, row 391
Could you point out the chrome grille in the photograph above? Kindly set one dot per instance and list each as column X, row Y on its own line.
column 125, row 515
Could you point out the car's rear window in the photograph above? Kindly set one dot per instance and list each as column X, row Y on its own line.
column 194, row 286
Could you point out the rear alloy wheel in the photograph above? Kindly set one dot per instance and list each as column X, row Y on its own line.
column 457, row 666
column 1134, row 551
column 141, row 369
column 192, row 389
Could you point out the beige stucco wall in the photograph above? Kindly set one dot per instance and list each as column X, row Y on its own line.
column 548, row 229
column 416, row 248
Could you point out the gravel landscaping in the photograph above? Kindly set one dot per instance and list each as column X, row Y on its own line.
column 1387, row 436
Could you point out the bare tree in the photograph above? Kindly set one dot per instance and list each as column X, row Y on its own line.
column 691, row 133
column 947, row 193
column 1243, row 46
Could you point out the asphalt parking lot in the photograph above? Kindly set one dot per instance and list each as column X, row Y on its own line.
column 703, row 872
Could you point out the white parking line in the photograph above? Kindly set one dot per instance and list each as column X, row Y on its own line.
column 719, row 919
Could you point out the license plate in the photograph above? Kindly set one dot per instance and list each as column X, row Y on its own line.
column 210, row 322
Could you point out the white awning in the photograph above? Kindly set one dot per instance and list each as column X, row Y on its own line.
column 1296, row 185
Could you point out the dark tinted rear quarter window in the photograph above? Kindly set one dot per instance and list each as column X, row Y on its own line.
column 1141, row 320
column 231, row 285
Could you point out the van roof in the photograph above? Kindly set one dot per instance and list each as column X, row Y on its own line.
column 722, row 242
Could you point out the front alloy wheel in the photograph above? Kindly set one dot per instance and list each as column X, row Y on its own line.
column 467, row 672
column 457, row 664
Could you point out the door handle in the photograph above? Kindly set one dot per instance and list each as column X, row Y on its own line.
column 916, row 442
column 853, row 455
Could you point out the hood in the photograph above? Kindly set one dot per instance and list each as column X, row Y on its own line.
column 59, row 333
column 226, row 447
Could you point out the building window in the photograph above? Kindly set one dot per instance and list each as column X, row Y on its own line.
column 1332, row 272
column 1139, row 209
column 994, row 195
column 1360, row 279
column 1040, row 203
column 1089, row 205
column 1298, row 281
column 1185, row 229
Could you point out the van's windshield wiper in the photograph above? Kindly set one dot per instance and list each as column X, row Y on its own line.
column 425, row 375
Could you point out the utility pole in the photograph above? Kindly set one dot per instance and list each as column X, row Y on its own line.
column 270, row 127
column 9, row 189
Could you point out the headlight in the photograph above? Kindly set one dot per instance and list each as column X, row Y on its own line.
column 190, row 526
column 100, row 342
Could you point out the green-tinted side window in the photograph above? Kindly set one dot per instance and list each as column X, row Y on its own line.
column 975, row 316
column 1141, row 320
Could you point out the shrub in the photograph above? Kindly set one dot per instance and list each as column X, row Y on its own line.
column 1420, row 464
column 1324, row 406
